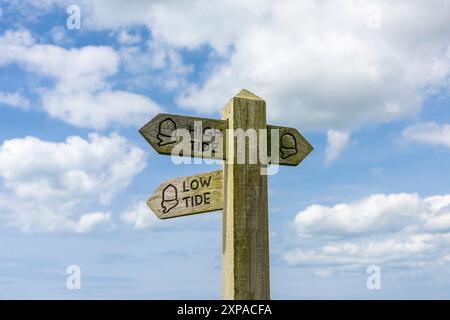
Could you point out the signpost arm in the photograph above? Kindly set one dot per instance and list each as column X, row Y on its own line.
column 245, row 236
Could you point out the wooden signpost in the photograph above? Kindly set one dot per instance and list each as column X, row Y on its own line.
column 240, row 189
column 188, row 195
column 158, row 132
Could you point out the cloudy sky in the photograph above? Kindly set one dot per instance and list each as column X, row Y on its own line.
column 366, row 82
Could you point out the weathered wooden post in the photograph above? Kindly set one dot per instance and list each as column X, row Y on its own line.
column 245, row 234
column 240, row 189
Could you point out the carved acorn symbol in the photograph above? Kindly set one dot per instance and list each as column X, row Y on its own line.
column 288, row 145
column 169, row 198
column 166, row 128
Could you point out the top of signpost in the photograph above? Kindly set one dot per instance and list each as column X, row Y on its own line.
column 248, row 95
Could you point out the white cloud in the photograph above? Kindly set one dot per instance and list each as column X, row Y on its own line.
column 140, row 216
column 14, row 99
column 316, row 63
column 101, row 109
column 155, row 63
column 127, row 38
column 421, row 250
column 177, row 23
column 336, row 142
column 90, row 220
column 49, row 186
column 375, row 213
column 81, row 95
column 428, row 133
column 391, row 230
column 319, row 66
column 59, row 35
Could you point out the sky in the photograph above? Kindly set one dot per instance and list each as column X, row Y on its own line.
column 366, row 82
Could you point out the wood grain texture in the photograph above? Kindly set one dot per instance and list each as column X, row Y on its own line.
column 188, row 195
column 158, row 131
column 245, row 243
column 293, row 147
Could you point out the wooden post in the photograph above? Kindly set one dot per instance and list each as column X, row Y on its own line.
column 245, row 236
column 245, row 222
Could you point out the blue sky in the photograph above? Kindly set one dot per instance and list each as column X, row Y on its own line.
column 367, row 83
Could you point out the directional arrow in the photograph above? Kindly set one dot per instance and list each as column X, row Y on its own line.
column 293, row 146
column 158, row 132
column 240, row 189
column 188, row 195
